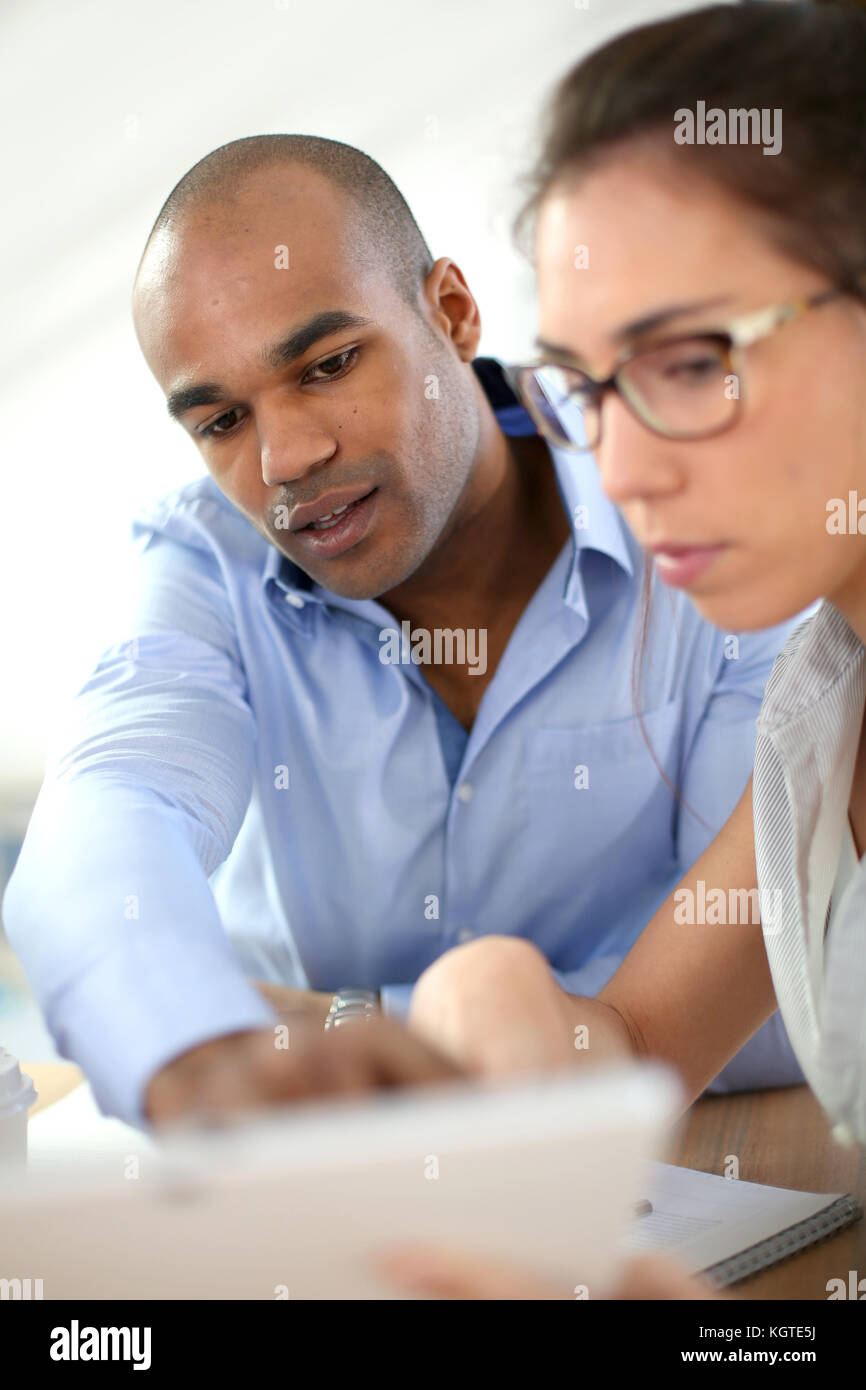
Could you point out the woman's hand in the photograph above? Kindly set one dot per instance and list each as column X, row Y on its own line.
column 495, row 1007
column 438, row 1273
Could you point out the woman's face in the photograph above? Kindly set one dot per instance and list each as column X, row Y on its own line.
column 753, row 501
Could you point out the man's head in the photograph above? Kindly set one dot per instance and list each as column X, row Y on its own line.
column 288, row 306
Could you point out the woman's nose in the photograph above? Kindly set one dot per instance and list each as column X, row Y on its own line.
column 633, row 462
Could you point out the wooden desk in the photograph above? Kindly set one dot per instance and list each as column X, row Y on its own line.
column 782, row 1138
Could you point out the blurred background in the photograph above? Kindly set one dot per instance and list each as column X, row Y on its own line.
column 104, row 105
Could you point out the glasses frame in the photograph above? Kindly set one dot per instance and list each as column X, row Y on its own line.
column 735, row 336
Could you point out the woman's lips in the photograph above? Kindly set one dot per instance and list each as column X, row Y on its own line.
column 680, row 565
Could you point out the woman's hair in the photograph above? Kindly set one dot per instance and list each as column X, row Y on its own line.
column 806, row 60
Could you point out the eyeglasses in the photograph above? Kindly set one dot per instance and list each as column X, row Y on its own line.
column 682, row 388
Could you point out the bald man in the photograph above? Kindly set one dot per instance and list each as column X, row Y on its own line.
column 374, row 703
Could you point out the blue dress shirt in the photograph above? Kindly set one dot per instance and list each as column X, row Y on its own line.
column 249, row 791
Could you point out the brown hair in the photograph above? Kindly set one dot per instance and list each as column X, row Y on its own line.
column 806, row 59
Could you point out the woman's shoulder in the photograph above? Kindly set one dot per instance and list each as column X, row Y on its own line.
column 820, row 653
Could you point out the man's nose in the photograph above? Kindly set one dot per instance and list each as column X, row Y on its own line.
column 634, row 463
column 291, row 443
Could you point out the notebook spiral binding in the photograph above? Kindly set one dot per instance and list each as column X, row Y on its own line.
column 755, row 1258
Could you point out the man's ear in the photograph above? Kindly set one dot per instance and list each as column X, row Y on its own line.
column 452, row 307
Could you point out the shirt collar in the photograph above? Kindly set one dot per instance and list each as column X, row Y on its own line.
column 595, row 522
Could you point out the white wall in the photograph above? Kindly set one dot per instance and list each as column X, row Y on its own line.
column 104, row 106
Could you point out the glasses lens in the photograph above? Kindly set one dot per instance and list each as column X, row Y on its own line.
column 560, row 400
column 684, row 389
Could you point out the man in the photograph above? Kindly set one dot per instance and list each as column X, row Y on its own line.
column 377, row 686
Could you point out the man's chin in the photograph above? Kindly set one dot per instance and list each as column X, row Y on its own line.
column 350, row 581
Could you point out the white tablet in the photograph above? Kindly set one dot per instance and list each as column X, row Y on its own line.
column 544, row 1174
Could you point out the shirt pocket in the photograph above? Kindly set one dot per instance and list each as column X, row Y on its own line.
column 602, row 817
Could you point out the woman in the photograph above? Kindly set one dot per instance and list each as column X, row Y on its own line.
column 702, row 294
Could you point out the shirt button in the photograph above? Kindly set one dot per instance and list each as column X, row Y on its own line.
column 295, row 600
column 465, row 934
column 465, row 792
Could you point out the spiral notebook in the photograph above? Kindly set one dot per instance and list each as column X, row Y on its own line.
column 727, row 1229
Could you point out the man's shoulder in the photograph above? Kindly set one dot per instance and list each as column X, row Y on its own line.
column 200, row 516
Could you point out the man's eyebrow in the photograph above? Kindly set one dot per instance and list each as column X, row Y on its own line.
column 298, row 342
column 637, row 327
column 185, row 398
column 280, row 354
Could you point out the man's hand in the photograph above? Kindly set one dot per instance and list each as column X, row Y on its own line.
column 247, row 1071
column 289, row 1003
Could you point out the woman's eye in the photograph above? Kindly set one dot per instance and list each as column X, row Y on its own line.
column 690, row 363
column 333, row 367
column 213, row 430
column 694, row 368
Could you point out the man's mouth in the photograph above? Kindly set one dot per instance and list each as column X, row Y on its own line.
column 335, row 522
column 327, row 510
column 331, row 519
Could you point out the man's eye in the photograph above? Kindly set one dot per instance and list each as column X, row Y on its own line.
column 333, row 367
column 330, row 369
column 213, row 430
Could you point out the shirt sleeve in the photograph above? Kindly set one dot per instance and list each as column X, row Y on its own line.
column 109, row 906
column 395, row 1000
